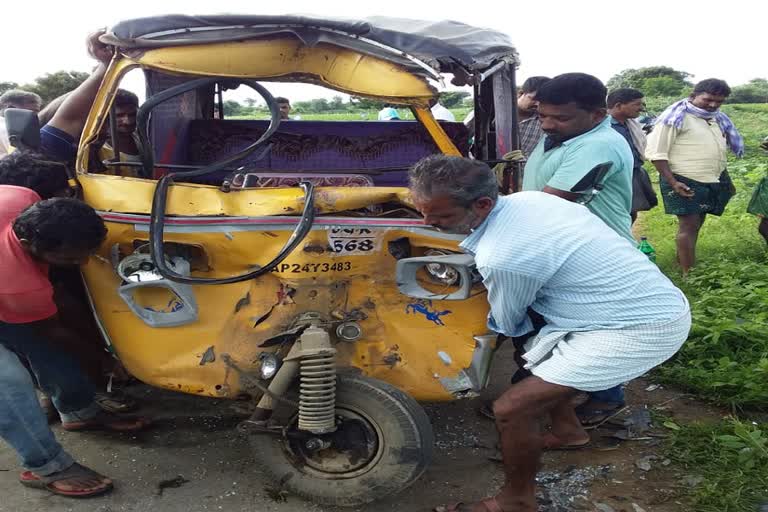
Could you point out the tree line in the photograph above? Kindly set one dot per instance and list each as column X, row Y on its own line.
column 654, row 81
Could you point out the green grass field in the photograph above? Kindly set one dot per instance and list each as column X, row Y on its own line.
column 726, row 357
column 362, row 115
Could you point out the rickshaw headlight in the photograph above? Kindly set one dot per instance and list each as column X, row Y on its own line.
column 270, row 363
column 445, row 274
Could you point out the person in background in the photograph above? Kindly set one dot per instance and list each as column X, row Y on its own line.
column 388, row 114
column 441, row 113
column 15, row 98
column 579, row 137
column 688, row 147
column 285, row 108
column 126, row 106
column 624, row 107
column 758, row 204
column 529, row 125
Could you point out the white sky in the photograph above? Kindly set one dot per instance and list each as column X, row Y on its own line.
column 601, row 37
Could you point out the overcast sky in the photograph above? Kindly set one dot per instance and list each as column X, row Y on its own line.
column 709, row 39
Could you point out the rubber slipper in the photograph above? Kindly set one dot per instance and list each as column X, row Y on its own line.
column 115, row 402
column 29, row 479
column 108, row 421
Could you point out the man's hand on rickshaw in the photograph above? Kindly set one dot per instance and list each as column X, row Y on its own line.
column 98, row 50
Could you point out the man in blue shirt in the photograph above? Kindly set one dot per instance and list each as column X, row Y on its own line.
column 610, row 314
column 578, row 138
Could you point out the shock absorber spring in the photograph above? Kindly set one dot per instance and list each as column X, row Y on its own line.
column 317, row 385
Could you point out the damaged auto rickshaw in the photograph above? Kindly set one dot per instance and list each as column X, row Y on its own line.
column 284, row 261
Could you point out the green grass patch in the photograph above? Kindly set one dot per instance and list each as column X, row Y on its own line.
column 725, row 465
column 726, row 357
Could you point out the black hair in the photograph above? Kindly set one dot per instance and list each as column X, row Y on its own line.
column 533, row 84
column 61, row 223
column 125, row 98
column 586, row 91
column 281, row 99
column 462, row 179
column 34, row 171
column 713, row 86
column 625, row 95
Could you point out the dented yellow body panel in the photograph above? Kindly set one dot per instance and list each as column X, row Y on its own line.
column 401, row 336
column 411, row 344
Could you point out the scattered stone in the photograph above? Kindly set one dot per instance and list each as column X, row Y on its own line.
column 637, row 508
column 644, row 463
column 602, row 507
column 692, row 480
column 653, row 387
column 172, row 483
column 564, row 491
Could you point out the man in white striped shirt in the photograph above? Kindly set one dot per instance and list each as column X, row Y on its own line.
column 610, row 314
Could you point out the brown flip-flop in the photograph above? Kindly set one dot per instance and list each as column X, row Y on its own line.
column 75, row 471
column 108, row 421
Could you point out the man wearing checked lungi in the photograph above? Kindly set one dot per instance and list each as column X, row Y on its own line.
column 610, row 314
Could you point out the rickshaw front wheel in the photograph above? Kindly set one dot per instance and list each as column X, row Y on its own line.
column 382, row 444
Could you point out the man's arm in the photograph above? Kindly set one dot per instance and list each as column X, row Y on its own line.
column 510, row 294
column 660, row 141
column 50, row 109
column 577, row 164
column 70, row 116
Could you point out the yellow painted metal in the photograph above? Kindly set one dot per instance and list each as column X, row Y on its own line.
column 400, row 343
column 131, row 195
column 339, row 68
column 401, row 337
column 444, row 143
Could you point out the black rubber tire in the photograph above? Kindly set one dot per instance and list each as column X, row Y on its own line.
column 406, row 448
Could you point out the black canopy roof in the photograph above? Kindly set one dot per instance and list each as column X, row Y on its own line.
column 440, row 44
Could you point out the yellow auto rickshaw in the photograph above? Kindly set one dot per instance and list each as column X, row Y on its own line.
column 283, row 260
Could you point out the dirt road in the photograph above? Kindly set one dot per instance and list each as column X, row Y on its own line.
column 207, row 467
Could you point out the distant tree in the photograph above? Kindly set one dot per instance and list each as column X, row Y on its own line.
column 251, row 102
column 452, row 99
column 319, row 105
column 7, row 86
column 337, row 103
column 366, row 104
column 232, row 108
column 754, row 91
column 636, row 79
column 53, row 85
column 661, row 86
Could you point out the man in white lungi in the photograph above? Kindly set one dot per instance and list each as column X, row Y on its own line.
column 610, row 314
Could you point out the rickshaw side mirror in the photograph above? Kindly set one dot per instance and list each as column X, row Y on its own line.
column 23, row 128
column 408, row 280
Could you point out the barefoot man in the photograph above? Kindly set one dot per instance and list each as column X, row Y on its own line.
column 610, row 314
